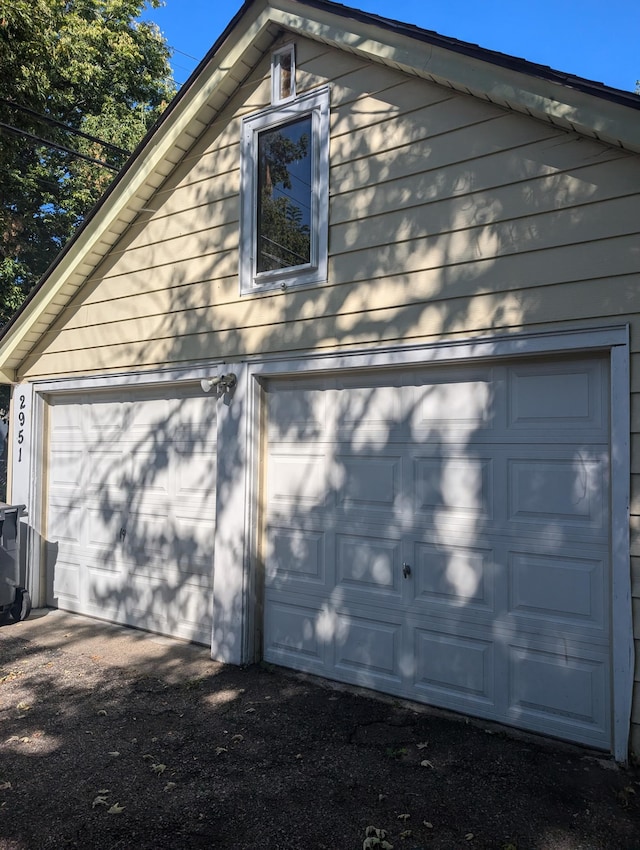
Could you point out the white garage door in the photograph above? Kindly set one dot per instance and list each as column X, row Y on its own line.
column 443, row 535
column 131, row 508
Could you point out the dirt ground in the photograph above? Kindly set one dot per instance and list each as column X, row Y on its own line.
column 113, row 740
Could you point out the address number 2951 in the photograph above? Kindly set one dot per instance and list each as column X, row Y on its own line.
column 22, row 418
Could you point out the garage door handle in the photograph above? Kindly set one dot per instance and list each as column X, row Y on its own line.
column 406, row 570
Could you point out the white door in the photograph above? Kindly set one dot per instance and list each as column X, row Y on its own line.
column 443, row 534
column 131, row 508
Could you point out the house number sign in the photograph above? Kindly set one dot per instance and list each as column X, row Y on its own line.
column 21, row 410
column 21, row 437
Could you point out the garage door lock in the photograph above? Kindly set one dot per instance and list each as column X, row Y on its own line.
column 406, row 570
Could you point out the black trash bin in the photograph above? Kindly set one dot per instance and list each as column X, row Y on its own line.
column 13, row 597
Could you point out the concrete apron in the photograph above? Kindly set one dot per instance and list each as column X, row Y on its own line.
column 112, row 645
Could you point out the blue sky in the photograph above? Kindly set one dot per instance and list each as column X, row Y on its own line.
column 595, row 39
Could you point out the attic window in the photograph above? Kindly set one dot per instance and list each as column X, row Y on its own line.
column 283, row 74
column 284, row 179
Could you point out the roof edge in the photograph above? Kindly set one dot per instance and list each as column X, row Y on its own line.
column 494, row 57
column 504, row 80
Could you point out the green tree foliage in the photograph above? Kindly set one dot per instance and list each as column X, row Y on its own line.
column 285, row 241
column 86, row 64
column 284, row 237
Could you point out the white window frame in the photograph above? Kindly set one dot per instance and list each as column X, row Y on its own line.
column 316, row 104
column 276, row 74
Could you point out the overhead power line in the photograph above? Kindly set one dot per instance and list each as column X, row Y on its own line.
column 17, row 132
column 182, row 53
column 49, row 120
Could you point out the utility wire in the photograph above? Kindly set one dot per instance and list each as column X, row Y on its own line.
column 182, row 67
column 182, row 53
column 16, row 132
column 66, row 127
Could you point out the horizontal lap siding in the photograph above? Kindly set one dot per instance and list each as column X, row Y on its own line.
column 449, row 217
column 452, row 296
column 355, row 324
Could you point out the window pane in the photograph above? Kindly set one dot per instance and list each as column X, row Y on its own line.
column 284, row 196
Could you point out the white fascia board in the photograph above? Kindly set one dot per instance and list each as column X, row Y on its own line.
column 13, row 348
column 611, row 122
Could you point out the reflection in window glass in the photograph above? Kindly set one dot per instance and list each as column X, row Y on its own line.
column 284, row 75
column 284, row 196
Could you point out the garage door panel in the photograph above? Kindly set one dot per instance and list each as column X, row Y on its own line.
column 70, row 425
column 297, row 414
column 562, row 589
column 102, row 586
column 453, row 667
column 367, row 564
column 102, row 420
column 348, row 639
column 295, row 557
column 193, row 538
column 365, row 414
column 151, row 467
column 368, row 651
column 365, row 483
column 144, row 417
column 102, row 526
column 547, row 397
column 150, row 535
column 453, row 407
column 188, row 612
column 105, row 473
column 63, row 553
column 190, row 423
column 558, row 493
column 453, row 577
column 454, row 487
column 105, row 592
column 562, row 690
column 66, row 583
column 291, row 636
column 298, row 481
column 67, row 521
column 195, row 475
column 65, row 470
